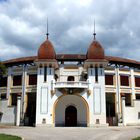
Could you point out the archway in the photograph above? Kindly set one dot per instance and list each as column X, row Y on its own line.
column 71, row 116
column 76, row 101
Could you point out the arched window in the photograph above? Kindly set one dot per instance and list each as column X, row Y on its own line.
column 70, row 78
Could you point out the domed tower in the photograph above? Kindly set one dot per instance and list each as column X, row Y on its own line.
column 46, row 51
column 95, row 56
column 95, row 51
column 46, row 62
column 95, row 64
column 46, row 58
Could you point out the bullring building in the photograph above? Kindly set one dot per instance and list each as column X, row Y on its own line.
column 52, row 89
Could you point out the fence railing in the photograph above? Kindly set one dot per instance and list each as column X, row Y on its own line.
column 71, row 84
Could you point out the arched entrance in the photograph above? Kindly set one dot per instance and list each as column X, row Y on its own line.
column 71, row 116
column 75, row 105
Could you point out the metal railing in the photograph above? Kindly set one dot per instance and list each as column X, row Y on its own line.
column 72, row 84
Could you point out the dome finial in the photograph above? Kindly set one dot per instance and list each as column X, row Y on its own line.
column 94, row 34
column 47, row 34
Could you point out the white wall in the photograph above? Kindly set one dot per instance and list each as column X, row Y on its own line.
column 9, row 113
column 44, row 97
column 97, row 103
column 131, row 113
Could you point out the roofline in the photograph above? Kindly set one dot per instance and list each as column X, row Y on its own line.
column 74, row 57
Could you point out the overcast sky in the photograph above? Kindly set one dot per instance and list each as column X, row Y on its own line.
column 71, row 25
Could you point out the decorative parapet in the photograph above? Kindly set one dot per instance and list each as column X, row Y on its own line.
column 3, row 89
column 31, row 88
column 71, row 84
column 16, row 89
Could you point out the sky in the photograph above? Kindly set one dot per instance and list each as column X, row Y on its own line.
column 23, row 25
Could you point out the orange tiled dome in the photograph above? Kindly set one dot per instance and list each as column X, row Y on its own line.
column 46, row 51
column 95, row 51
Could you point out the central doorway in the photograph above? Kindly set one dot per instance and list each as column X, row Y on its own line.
column 71, row 116
column 71, row 110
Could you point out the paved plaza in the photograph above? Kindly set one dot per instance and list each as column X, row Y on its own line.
column 73, row 133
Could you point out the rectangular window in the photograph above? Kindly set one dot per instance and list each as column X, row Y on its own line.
column 138, row 115
column 96, row 74
column 3, row 96
column 45, row 73
column 91, row 71
column 17, row 80
column 137, row 81
column 3, row 82
column 127, row 99
column 33, row 79
column 14, row 99
column 109, row 80
column 137, row 96
column 1, row 116
column 124, row 80
column 50, row 71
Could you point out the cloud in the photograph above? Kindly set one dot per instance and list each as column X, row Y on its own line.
column 23, row 26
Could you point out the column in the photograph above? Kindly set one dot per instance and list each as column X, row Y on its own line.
column 123, row 111
column 18, row 110
column 117, row 93
column 9, row 78
column 24, row 76
column 132, row 86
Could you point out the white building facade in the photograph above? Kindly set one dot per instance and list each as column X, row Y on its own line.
column 70, row 90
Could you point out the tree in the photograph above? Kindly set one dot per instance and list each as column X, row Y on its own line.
column 2, row 69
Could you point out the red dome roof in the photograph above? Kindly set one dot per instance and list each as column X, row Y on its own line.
column 46, row 51
column 95, row 51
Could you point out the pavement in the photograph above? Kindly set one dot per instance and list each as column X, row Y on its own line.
column 73, row 133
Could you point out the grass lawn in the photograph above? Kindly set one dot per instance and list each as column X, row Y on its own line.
column 138, row 138
column 9, row 137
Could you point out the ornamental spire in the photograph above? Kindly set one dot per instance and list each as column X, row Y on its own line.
column 94, row 34
column 47, row 34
